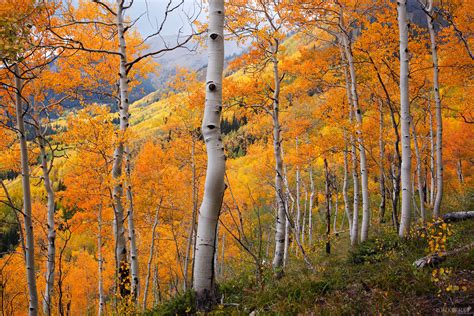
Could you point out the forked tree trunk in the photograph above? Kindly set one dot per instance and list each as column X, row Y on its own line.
column 122, row 267
column 403, row 25
column 439, row 118
column 204, row 270
column 25, row 181
column 364, row 231
column 355, row 175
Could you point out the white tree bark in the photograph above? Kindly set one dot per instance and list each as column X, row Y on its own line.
column 439, row 119
column 345, row 184
column 100, row 260
column 134, row 267
column 419, row 173
column 298, row 197
column 50, row 225
column 310, row 209
column 119, row 229
column 360, row 140
column 303, row 224
column 403, row 25
column 281, row 211
column 204, row 274
column 25, row 180
column 432, row 160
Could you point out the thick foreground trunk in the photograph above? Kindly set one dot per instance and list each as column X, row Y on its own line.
column 204, row 274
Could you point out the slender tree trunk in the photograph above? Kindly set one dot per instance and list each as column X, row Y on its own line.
column 100, row 260
column 439, row 118
column 305, row 208
column 403, row 25
column 381, row 168
column 419, row 175
column 192, row 227
column 355, row 175
column 459, row 171
column 328, row 207
column 298, row 197
column 396, row 194
column 345, row 184
column 281, row 212
column 204, row 273
column 134, row 267
column 360, row 139
column 50, row 225
column 122, row 266
column 25, row 170
column 150, row 259
column 311, row 199
column 432, row 160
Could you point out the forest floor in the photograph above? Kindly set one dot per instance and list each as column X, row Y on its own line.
column 377, row 277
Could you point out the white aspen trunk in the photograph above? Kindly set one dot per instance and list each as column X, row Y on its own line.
column 360, row 139
column 25, row 181
column 311, row 199
column 419, row 171
column 100, row 260
column 192, row 227
column 439, row 118
column 50, row 225
column 119, row 229
column 381, row 168
column 298, row 197
column 345, row 196
column 281, row 212
column 150, row 259
column 459, row 171
column 303, row 225
column 355, row 175
column 432, row 160
column 134, row 267
column 204, row 274
column 405, row 119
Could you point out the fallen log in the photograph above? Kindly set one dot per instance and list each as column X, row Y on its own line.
column 435, row 259
column 458, row 216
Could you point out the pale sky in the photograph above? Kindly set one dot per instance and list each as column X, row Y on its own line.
column 154, row 11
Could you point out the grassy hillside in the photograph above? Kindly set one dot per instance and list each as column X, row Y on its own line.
column 377, row 277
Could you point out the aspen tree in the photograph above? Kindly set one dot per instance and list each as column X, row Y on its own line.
column 204, row 270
